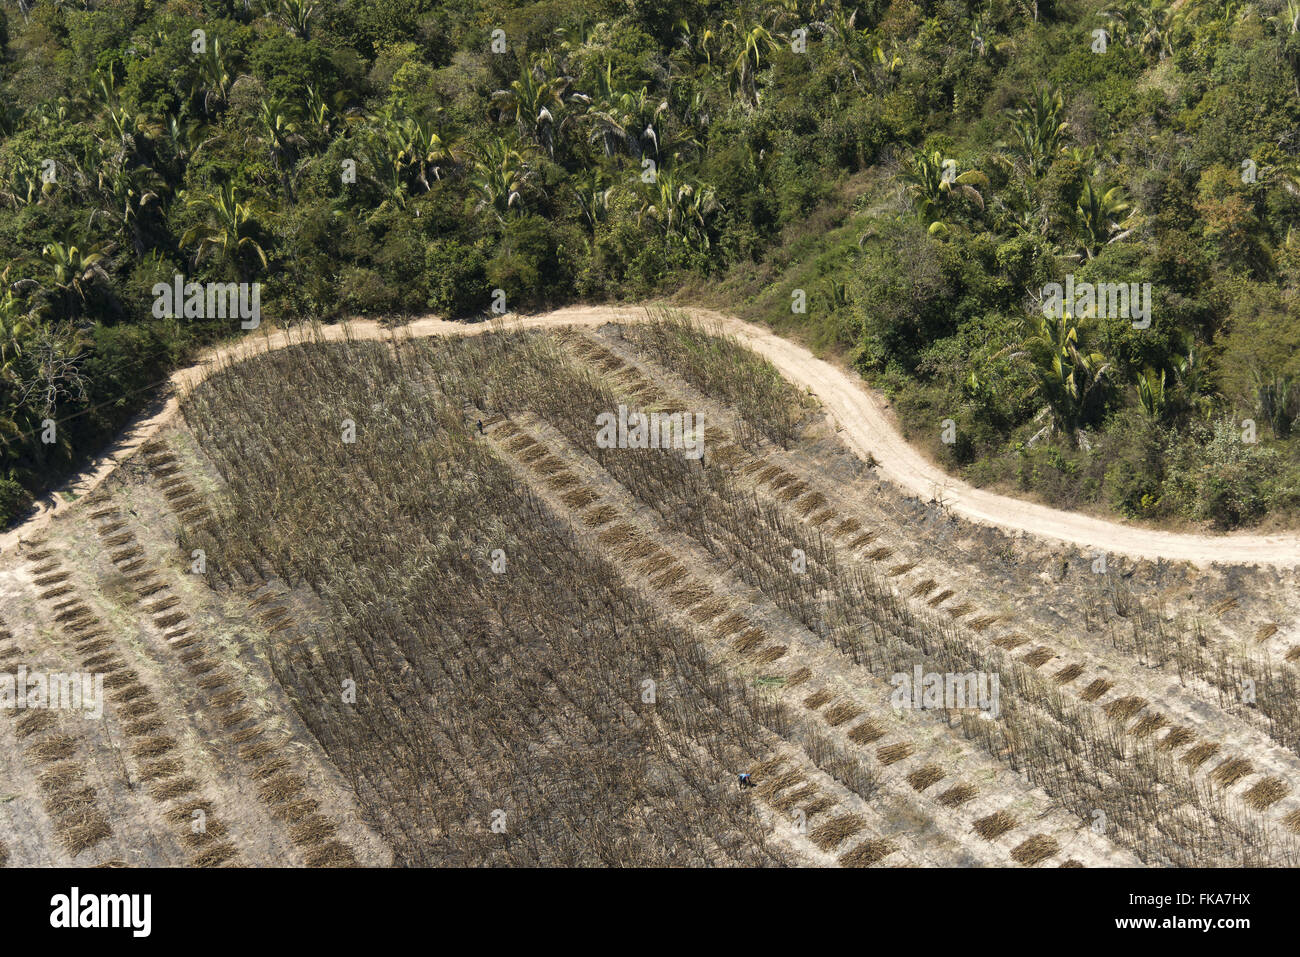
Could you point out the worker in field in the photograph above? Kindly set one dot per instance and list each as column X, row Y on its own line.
column 480, row 427
column 746, row 781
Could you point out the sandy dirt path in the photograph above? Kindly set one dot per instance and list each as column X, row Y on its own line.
column 860, row 417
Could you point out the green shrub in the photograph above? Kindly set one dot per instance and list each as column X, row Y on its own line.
column 364, row 291
column 456, row 275
column 532, row 264
column 14, row 500
column 1217, row 477
column 1134, row 450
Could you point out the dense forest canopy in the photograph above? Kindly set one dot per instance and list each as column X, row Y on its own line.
column 901, row 181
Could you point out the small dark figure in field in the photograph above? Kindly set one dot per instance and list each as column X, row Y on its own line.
column 480, row 427
column 746, row 781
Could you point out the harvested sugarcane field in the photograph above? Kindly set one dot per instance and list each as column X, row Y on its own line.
column 606, row 588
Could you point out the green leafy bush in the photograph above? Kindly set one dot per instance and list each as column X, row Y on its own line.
column 456, row 276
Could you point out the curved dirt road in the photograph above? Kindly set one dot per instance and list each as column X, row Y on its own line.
column 859, row 417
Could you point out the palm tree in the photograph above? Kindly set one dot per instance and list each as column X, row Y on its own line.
column 538, row 104
column 1277, row 399
column 979, row 39
column 296, row 15
column 888, row 61
column 698, row 45
column 126, row 194
column 753, row 42
column 423, row 152
column 279, row 133
column 55, row 113
column 1198, row 396
column 501, row 178
column 1037, row 129
column 593, row 195
column 225, row 230
column 17, row 330
column 1100, row 218
column 783, row 13
column 131, row 131
column 388, row 175
column 679, row 207
column 318, row 112
column 414, row 147
column 1085, row 156
column 75, row 269
column 22, row 184
column 1066, row 377
column 214, row 76
column 186, row 137
column 102, row 86
column 1151, row 392
column 626, row 120
column 852, row 45
column 935, row 187
column 1156, row 24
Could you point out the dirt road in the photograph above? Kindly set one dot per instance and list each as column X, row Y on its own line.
column 859, row 416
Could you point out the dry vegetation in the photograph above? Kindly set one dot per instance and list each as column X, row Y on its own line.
column 518, row 691
column 481, row 698
column 520, row 648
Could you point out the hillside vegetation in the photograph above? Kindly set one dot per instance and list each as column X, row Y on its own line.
column 913, row 174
